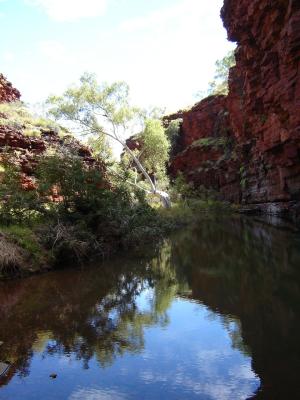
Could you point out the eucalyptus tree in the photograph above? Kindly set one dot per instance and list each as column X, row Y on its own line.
column 104, row 110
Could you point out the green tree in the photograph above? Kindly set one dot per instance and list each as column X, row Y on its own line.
column 152, row 151
column 172, row 132
column 155, row 147
column 100, row 147
column 102, row 110
column 16, row 203
column 219, row 85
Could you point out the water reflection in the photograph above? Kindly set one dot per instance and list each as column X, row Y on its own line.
column 210, row 314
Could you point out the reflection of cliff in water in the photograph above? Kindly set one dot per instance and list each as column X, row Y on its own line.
column 249, row 270
column 241, row 269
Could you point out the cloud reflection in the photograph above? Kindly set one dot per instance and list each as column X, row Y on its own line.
column 96, row 394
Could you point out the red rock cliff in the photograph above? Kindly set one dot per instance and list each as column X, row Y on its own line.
column 260, row 115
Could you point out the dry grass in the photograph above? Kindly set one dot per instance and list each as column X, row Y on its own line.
column 11, row 258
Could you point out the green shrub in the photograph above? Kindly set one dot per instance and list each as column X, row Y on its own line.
column 191, row 210
column 26, row 249
column 32, row 132
column 10, row 257
column 24, row 236
column 16, row 204
column 17, row 116
column 212, row 142
column 173, row 134
column 181, row 189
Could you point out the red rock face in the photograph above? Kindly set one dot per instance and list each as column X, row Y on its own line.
column 206, row 118
column 263, row 109
column 209, row 157
column 264, row 90
column 7, row 92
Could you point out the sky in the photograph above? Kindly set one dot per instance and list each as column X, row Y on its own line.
column 164, row 49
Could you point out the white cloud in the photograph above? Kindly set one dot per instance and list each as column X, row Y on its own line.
column 166, row 55
column 180, row 11
column 70, row 10
column 52, row 50
column 172, row 51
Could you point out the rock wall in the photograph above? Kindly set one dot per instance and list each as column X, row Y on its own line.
column 209, row 157
column 260, row 115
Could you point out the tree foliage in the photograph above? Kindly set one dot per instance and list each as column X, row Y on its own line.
column 100, row 109
column 16, row 204
column 219, row 85
column 58, row 175
column 172, row 132
column 105, row 110
column 101, row 148
column 155, row 146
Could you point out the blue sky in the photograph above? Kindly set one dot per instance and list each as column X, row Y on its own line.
column 164, row 49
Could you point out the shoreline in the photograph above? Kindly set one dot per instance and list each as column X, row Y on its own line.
column 49, row 262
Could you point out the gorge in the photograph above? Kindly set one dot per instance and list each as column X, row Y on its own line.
column 246, row 145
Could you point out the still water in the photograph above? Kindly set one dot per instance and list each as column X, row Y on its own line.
column 210, row 313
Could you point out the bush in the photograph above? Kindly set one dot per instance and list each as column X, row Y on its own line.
column 24, row 240
column 62, row 186
column 10, row 256
column 74, row 211
column 69, row 242
column 192, row 210
column 16, row 116
column 16, row 204
column 181, row 189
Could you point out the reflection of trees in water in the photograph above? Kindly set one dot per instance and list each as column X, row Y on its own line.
column 87, row 313
column 234, row 329
column 244, row 271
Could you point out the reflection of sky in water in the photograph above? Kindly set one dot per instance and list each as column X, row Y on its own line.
column 145, row 299
column 192, row 357
column 97, row 394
